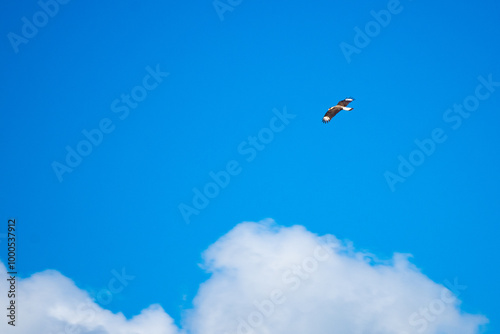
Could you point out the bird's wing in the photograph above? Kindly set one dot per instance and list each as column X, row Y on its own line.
column 345, row 102
column 331, row 113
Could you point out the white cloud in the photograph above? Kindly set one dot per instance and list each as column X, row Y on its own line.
column 266, row 279
column 271, row 279
column 51, row 303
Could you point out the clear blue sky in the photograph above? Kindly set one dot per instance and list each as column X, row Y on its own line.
column 119, row 207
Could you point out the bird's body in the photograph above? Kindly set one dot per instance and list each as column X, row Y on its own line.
column 342, row 105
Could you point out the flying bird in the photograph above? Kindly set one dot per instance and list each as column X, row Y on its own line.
column 342, row 105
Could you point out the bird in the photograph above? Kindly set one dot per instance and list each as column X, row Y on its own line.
column 342, row 105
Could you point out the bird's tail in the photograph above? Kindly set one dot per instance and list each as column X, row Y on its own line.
column 346, row 108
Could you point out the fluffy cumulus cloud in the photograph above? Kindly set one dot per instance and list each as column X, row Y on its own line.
column 269, row 279
column 53, row 304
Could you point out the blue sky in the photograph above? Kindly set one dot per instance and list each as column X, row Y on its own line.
column 227, row 81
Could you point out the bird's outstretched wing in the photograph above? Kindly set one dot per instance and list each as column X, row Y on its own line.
column 345, row 101
column 331, row 113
